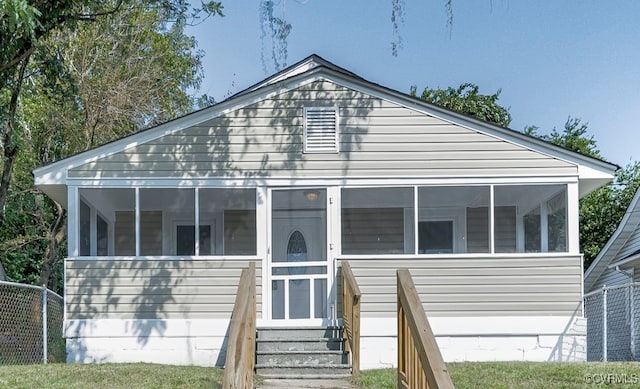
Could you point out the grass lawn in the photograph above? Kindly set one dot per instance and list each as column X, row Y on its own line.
column 524, row 375
column 464, row 375
column 129, row 376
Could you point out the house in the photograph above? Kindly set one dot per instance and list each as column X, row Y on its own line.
column 611, row 278
column 309, row 168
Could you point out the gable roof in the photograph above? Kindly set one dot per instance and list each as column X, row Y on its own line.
column 608, row 256
column 593, row 172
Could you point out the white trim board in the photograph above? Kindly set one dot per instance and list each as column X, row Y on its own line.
column 464, row 326
column 118, row 328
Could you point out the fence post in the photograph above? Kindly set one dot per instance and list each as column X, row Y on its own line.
column 44, row 324
column 604, row 323
column 632, row 319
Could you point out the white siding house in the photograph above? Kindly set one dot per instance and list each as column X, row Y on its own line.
column 309, row 168
column 618, row 259
column 614, row 276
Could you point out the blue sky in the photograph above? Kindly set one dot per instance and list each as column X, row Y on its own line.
column 552, row 59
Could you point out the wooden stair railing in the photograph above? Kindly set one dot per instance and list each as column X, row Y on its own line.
column 351, row 317
column 241, row 344
column 420, row 363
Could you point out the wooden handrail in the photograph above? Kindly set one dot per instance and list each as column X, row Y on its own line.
column 351, row 317
column 241, row 344
column 420, row 363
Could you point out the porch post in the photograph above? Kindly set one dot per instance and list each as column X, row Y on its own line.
column 573, row 218
column 262, row 246
column 196, row 229
column 74, row 221
column 137, row 222
column 544, row 227
column 492, row 244
column 416, row 220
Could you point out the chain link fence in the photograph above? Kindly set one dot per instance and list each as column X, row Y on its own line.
column 613, row 323
column 30, row 325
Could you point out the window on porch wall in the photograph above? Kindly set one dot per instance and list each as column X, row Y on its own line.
column 530, row 218
column 107, row 221
column 167, row 222
column 453, row 219
column 230, row 215
column 377, row 221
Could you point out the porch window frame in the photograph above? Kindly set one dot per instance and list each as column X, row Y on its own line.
column 571, row 191
column 73, row 216
column 261, row 211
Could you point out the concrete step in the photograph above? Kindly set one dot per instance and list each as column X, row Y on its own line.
column 321, row 344
column 300, row 358
column 307, row 383
column 301, row 353
column 303, row 371
column 298, row 333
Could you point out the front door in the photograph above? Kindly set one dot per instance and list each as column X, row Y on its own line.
column 299, row 267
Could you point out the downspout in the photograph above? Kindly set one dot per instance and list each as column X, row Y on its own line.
column 626, row 273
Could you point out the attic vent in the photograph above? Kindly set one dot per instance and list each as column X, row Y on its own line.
column 321, row 130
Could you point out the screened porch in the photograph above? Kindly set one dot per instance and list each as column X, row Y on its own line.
column 410, row 220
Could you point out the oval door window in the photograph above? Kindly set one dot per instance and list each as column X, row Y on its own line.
column 296, row 248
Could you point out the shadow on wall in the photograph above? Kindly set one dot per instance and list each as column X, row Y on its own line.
column 124, row 289
column 156, row 294
column 262, row 140
column 572, row 342
column 222, row 355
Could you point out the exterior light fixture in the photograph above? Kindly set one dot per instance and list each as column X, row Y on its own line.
column 311, row 195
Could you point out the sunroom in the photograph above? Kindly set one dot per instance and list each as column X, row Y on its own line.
column 299, row 235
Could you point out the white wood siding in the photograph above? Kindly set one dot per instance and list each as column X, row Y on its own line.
column 631, row 246
column 154, row 289
column 611, row 277
column 377, row 139
column 502, row 286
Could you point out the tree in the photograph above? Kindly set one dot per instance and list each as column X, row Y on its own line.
column 466, row 99
column 275, row 30
column 83, row 85
column 602, row 210
column 24, row 26
column 574, row 136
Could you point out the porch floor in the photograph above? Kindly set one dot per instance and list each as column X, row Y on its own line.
column 272, row 383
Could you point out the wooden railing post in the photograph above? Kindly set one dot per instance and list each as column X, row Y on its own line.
column 241, row 343
column 420, row 363
column 351, row 316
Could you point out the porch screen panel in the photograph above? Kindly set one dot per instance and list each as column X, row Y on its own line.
column 125, row 233
column 110, row 226
column 530, row 218
column 505, row 228
column 557, row 221
column 102, row 236
column 453, row 219
column 377, row 221
column 85, row 229
column 231, row 215
column 165, row 213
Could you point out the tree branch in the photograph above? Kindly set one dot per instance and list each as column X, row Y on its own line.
column 26, row 53
column 10, row 149
column 92, row 17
